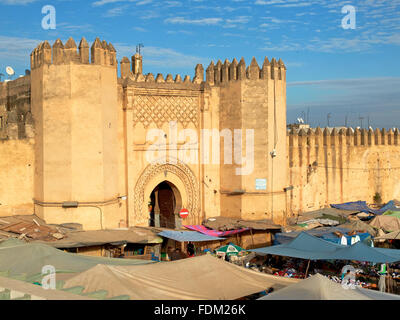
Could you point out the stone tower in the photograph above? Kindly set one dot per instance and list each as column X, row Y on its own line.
column 253, row 99
column 74, row 104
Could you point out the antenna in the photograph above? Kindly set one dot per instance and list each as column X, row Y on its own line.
column 138, row 47
column 361, row 120
column 328, row 116
column 10, row 71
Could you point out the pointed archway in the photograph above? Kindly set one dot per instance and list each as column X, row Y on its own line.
column 166, row 202
column 180, row 179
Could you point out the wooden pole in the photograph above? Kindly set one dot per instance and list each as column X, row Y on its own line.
column 252, row 239
column 308, row 266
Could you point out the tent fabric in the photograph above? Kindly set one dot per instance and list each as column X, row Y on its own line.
column 363, row 237
column 386, row 223
column 226, row 224
column 392, row 213
column 204, row 277
column 37, row 292
column 306, row 246
column 390, row 252
column 332, row 213
column 78, row 239
column 363, row 207
column 361, row 252
column 359, row 226
column 187, row 236
column 214, row 233
column 323, row 232
column 319, row 287
column 390, row 236
column 29, row 259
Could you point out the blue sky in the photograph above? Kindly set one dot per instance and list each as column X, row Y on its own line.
column 353, row 72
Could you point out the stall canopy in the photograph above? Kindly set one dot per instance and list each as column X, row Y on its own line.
column 78, row 239
column 325, row 233
column 305, row 246
column 392, row 213
column 27, row 260
column 183, row 236
column 227, row 223
column 363, row 207
column 390, row 236
column 319, row 287
column 204, row 277
column 386, row 223
column 358, row 226
column 214, row 233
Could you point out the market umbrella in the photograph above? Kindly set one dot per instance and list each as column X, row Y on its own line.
column 230, row 249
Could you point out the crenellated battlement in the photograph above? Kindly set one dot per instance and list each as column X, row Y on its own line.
column 101, row 53
column 231, row 71
column 133, row 73
column 349, row 137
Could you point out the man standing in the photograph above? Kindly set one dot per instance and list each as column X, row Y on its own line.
column 382, row 278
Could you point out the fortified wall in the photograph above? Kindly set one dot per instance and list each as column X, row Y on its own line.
column 330, row 166
column 76, row 138
column 16, row 147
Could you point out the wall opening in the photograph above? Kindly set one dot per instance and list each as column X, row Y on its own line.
column 165, row 202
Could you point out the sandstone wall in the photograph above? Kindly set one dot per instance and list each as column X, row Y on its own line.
column 16, row 177
column 328, row 167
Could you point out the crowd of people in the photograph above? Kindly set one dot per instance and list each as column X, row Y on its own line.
column 381, row 277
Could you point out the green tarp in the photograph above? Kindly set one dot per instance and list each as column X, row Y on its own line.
column 392, row 213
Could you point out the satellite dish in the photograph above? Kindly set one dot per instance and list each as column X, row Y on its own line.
column 10, row 71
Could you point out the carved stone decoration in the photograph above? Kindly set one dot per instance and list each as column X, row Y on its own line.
column 160, row 109
column 182, row 171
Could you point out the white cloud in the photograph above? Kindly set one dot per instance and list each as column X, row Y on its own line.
column 157, row 56
column 16, row 49
column 202, row 21
column 114, row 12
column 103, row 2
column 16, row 2
column 140, row 29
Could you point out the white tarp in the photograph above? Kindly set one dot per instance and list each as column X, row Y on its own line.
column 199, row 278
column 319, row 287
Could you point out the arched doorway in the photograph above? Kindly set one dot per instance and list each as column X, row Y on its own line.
column 183, row 183
column 166, row 202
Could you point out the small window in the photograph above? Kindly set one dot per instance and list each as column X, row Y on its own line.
column 1, row 123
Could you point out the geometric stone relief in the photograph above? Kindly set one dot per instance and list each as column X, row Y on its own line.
column 160, row 109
